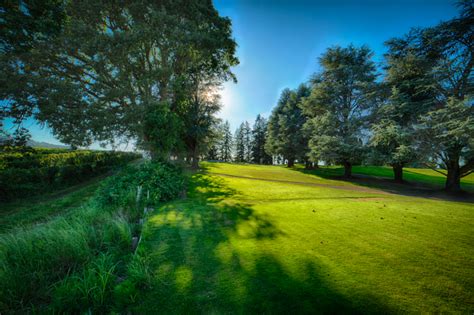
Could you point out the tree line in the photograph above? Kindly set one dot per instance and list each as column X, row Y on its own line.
column 417, row 109
column 149, row 72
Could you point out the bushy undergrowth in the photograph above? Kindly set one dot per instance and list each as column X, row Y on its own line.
column 73, row 263
column 37, row 171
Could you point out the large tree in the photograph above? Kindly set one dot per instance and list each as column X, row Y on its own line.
column 448, row 50
column 199, row 119
column 340, row 100
column 400, row 105
column 285, row 127
column 259, row 134
column 113, row 71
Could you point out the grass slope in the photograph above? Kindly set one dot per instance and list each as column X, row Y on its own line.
column 237, row 245
column 28, row 211
column 414, row 175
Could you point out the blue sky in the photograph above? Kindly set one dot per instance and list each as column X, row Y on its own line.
column 279, row 43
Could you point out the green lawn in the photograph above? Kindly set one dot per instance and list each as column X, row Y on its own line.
column 239, row 245
column 414, row 175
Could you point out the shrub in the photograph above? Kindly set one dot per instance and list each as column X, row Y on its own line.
column 161, row 181
column 37, row 171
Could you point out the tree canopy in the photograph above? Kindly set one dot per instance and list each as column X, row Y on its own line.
column 103, row 71
column 341, row 98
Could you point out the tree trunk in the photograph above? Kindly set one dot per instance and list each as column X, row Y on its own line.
column 398, row 173
column 453, row 180
column 308, row 165
column 347, row 170
column 291, row 162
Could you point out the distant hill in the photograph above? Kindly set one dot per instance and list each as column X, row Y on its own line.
column 37, row 144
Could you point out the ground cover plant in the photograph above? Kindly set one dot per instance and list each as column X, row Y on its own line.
column 265, row 241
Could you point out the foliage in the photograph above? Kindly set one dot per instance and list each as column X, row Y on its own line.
column 444, row 59
column 285, row 126
column 200, row 120
column 36, row 171
column 226, row 143
column 103, row 71
column 450, row 133
column 161, row 181
column 341, row 98
column 259, row 134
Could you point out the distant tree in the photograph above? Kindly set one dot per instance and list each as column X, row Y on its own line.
column 217, row 132
column 239, row 142
column 225, row 146
column 448, row 51
column 19, row 138
column 272, row 143
column 285, row 128
column 247, row 139
column 259, row 134
column 340, row 101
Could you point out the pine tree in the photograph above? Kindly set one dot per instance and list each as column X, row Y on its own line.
column 259, row 134
column 240, row 143
column 447, row 59
column 286, row 136
column 226, row 144
column 340, row 102
column 247, row 139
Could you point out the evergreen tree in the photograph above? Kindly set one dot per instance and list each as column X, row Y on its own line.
column 285, row 128
column 240, row 143
column 247, row 139
column 213, row 151
column 272, row 143
column 226, row 144
column 340, row 102
column 259, row 134
column 447, row 55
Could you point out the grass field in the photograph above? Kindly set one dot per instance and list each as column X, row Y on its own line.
column 266, row 239
column 426, row 177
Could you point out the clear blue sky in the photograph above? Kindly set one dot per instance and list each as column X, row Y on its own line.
column 280, row 41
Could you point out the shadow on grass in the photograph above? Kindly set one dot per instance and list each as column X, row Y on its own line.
column 209, row 254
column 407, row 188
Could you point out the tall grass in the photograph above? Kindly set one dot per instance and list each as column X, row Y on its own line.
column 73, row 263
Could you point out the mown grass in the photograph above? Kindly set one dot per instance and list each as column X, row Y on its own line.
column 238, row 245
column 422, row 176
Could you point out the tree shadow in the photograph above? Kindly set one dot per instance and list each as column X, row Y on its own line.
column 203, row 257
column 407, row 188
